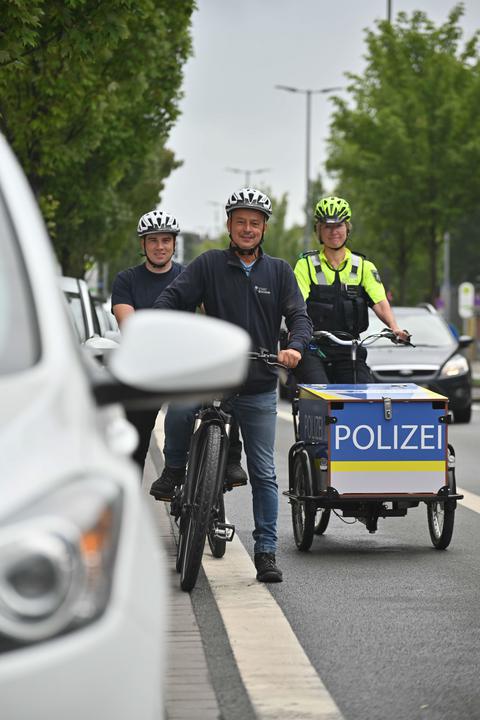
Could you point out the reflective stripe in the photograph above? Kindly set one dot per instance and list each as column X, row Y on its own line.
column 322, row 280
column 355, row 266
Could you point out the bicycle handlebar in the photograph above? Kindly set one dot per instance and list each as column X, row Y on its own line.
column 268, row 358
column 384, row 333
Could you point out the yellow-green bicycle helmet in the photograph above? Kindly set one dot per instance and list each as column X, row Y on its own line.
column 330, row 210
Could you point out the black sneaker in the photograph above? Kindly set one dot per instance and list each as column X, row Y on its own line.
column 164, row 487
column 267, row 571
column 235, row 476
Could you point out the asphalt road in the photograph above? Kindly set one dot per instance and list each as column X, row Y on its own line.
column 391, row 625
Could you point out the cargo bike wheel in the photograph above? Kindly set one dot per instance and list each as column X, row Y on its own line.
column 441, row 515
column 303, row 511
column 323, row 521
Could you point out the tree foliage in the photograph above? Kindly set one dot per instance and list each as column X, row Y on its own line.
column 89, row 91
column 405, row 148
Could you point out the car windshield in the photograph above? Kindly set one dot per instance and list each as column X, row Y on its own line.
column 427, row 329
column 19, row 340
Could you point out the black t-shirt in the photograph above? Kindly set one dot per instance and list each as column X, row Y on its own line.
column 139, row 287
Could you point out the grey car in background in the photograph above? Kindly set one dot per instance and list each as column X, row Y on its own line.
column 437, row 361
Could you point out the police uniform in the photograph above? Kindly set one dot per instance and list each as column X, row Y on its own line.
column 337, row 299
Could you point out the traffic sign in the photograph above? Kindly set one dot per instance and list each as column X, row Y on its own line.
column 466, row 299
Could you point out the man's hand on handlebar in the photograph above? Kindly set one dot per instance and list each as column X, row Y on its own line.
column 290, row 358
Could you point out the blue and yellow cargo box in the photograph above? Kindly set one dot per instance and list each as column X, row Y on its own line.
column 375, row 439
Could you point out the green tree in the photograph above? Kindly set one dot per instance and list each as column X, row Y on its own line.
column 406, row 146
column 89, row 92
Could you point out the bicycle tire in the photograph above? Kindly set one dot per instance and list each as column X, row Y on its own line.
column 303, row 514
column 441, row 516
column 182, row 528
column 202, row 501
column 323, row 521
column 217, row 546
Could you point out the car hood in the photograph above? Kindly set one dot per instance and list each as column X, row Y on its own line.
column 404, row 356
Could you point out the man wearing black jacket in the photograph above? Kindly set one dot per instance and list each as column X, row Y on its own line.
column 248, row 288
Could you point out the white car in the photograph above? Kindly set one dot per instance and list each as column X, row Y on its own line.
column 83, row 599
column 89, row 318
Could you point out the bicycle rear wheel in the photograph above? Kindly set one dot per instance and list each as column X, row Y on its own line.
column 202, row 500
column 441, row 515
column 323, row 521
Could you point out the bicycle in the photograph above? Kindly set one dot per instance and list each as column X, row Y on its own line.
column 198, row 506
column 347, row 455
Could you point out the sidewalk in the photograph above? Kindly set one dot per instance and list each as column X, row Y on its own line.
column 189, row 694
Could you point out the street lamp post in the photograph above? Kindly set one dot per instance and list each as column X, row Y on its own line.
column 446, row 277
column 247, row 173
column 308, row 94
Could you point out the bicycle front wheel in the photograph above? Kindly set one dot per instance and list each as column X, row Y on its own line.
column 303, row 514
column 202, row 501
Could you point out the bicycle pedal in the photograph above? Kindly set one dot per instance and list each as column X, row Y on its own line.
column 224, row 531
column 227, row 485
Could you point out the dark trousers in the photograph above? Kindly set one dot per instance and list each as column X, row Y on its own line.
column 335, row 368
column 144, row 422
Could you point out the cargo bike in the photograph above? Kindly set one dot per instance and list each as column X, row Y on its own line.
column 370, row 451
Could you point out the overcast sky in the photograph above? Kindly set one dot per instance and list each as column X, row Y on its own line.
column 232, row 115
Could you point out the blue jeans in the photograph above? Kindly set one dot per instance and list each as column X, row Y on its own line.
column 256, row 415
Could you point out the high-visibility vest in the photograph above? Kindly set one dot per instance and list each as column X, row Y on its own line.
column 338, row 306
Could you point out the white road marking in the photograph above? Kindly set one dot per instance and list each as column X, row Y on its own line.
column 470, row 500
column 279, row 678
column 283, row 415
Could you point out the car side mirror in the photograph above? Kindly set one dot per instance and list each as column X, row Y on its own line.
column 100, row 347
column 464, row 341
column 168, row 355
column 114, row 335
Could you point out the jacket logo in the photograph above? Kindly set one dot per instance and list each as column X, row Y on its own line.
column 261, row 290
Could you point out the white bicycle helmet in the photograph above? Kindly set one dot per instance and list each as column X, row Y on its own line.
column 251, row 199
column 157, row 221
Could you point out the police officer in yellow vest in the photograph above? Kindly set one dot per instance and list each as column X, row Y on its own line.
column 339, row 286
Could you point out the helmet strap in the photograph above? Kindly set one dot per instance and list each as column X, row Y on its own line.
column 245, row 251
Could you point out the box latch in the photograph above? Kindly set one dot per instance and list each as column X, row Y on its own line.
column 387, row 408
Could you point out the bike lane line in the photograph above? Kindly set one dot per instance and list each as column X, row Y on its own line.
column 278, row 677
column 470, row 500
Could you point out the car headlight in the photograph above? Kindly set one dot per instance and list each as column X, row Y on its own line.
column 57, row 560
column 457, row 365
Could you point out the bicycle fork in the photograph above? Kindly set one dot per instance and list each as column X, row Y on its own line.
column 220, row 529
